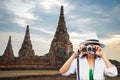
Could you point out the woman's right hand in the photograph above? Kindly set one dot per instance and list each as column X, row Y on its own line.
column 78, row 51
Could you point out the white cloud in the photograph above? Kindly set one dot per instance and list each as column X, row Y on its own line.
column 21, row 22
column 16, row 39
column 113, row 41
column 49, row 6
column 21, row 10
column 116, row 36
column 78, row 35
column 84, row 17
column 77, row 38
column 112, row 48
column 39, row 44
column 71, row 16
column 42, row 29
column 83, row 24
column 37, row 38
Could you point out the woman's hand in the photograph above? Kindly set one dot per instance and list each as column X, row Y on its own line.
column 78, row 51
column 99, row 51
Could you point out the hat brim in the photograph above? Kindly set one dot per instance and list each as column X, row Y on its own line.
column 87, row 42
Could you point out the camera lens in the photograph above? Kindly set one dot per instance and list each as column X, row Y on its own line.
column 89, row 49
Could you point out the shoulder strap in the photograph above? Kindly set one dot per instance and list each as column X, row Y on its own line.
column 78, row 65
column 78, row 68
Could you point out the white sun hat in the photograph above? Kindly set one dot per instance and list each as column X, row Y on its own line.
column 92, row 38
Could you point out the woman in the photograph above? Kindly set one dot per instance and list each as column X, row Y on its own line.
column 90, row 65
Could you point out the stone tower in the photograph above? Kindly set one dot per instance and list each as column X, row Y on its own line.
column 61, row 47
column 26, row 50
column 8, row 55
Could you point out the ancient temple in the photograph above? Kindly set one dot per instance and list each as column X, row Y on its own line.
column 60, row 50
column 26, row 50
column 61, row 47
column 8, row 55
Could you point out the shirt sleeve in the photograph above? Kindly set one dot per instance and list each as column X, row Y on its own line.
column 72, row 68
column 111, row 71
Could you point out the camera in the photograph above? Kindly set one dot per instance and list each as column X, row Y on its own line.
column 88, row 49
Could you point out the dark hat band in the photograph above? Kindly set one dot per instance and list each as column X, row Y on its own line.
column 93, row 40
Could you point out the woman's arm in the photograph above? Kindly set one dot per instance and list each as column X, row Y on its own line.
column 67, row 64
column 99, row 52
column 110, row 69
column 107, row 62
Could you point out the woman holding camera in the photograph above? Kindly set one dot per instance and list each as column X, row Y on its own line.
column 89, row 62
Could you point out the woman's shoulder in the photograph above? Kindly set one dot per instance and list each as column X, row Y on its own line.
column 99, row 59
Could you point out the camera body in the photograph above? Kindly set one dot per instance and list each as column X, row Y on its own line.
column 89, row 49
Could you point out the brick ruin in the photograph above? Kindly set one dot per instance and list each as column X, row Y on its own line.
column 61, row 47
column 8, row 55
column 60, row 50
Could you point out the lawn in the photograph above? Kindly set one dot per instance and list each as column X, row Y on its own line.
column 27, row 72
column 38, row 75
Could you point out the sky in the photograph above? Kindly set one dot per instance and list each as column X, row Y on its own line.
column 101, row 17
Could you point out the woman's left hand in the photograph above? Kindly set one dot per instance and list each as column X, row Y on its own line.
column 99, row 51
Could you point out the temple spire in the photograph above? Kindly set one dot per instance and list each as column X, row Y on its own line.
column 8, row 53
column 61, row 18
column 27, row 31
column 61, row 47
column 9, row 42
column 26, row 48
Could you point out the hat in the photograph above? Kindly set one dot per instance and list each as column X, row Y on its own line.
column 92, row 38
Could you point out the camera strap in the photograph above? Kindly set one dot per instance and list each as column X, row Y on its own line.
column 78, row 74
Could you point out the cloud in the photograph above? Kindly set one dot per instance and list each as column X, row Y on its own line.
column 82, row 17
column 49, row 6
column 112, row 48
column 95, row 18
column 20, row 21
column 77, row 38
column 20, row 10
column 113, row 41
column 16, row 39
column 23, row 11
column 42, row 29
column 41, row 45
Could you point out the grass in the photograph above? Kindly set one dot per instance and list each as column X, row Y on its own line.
column 27, row 72
column 17, row 73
